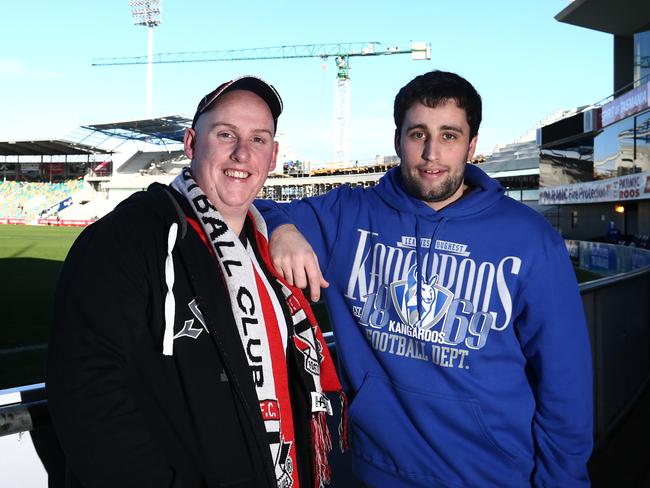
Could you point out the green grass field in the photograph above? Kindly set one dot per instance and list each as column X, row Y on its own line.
column 30, row 262
column 26, row 241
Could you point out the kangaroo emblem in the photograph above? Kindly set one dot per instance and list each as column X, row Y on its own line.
column 423, row 309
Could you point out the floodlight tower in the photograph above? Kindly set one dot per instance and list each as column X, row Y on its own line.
column 149, row 14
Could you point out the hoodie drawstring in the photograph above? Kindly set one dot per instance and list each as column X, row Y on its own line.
column 170, row 303
column 421, row 258
column 420, row 269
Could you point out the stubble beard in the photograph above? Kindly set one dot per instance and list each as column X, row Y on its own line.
column 439, row 193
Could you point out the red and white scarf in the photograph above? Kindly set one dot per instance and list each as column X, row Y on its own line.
column 267, row 332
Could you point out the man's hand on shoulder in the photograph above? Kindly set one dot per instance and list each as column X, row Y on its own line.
column 295, row 260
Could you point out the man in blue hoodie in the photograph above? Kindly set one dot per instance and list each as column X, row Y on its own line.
column 457, row 316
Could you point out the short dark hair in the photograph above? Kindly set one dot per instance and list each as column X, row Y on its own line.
column 435, row 88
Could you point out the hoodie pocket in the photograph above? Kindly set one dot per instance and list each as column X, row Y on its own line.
column 428, row 436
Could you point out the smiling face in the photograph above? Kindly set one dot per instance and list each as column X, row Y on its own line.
column 232, row 151
column 434, row 146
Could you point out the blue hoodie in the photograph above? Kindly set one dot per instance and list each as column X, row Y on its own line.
column 461, row 333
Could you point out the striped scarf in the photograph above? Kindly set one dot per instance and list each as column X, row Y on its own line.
column 270, row 334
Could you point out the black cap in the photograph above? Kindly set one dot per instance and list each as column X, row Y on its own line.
column 247, row 82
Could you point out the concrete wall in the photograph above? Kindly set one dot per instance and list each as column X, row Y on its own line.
column 592, row 220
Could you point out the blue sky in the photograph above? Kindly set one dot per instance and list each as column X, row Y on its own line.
column 524, row 63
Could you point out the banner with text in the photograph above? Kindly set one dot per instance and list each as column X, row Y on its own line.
column 629, row 187
column 630, row 103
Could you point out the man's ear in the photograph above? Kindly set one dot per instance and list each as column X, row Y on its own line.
column 472, row 148
column 397, row 142
column 188, row 142
column 274, row 158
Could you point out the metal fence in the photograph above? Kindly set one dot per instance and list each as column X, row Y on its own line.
column 618, row 315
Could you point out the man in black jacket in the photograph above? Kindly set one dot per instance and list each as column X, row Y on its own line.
column 177, row 357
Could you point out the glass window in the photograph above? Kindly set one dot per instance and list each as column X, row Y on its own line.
column 514, row 194
column 614, row 150
column 641, row 57
column 642, row 142
column 569, row 163
column 527, row 195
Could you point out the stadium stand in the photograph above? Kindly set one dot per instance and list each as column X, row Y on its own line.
column 516, row 166
column 77, row 180
column 31, row 200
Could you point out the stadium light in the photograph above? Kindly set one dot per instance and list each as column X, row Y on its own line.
column 147, row 13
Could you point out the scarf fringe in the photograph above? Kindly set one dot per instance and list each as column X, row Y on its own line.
column 322, row 447
column 322, row 442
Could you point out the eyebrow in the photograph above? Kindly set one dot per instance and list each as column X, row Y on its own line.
column 424, row 127
column 454, row 128
column 416, row 126
column 233, row 126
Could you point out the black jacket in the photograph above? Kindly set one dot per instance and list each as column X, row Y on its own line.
column 127, row 415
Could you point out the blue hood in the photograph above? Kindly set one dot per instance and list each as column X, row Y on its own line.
column 485, row 193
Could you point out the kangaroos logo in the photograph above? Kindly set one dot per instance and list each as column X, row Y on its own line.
column 422, row 309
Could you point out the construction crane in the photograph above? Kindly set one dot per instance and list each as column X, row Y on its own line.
column 341, row 52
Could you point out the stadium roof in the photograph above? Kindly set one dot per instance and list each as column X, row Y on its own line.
column 46, row 148
column 154, row 131
column 623, row 17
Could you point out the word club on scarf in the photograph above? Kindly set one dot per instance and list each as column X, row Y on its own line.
column 217, row 228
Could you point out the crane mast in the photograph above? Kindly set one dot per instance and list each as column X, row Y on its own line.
column 340, row 51
column 342, row 110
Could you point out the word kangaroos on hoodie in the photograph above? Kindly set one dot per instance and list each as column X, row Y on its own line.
column 440, row 309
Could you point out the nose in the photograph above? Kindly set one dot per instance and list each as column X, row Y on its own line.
column 241, row 151
column 430, row 150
